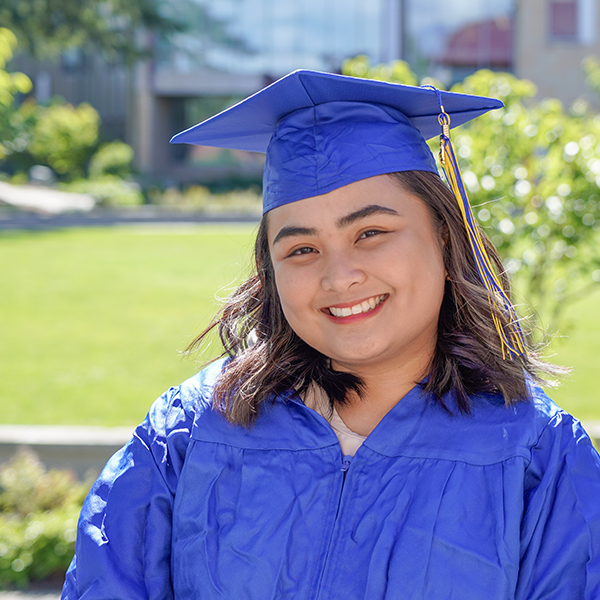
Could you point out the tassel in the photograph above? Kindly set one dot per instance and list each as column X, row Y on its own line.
column 511, row 337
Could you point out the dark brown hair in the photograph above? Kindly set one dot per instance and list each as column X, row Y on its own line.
column 268, row 358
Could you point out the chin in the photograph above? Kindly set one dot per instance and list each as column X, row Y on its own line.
column 356, row 360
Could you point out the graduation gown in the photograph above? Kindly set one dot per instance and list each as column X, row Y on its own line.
column 503, row 503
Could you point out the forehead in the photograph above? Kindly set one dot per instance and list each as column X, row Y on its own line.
column 380, row 195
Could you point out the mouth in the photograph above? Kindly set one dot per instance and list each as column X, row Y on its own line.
column 362, row 307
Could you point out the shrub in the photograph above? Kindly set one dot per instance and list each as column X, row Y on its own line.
column 38, row 519
column 108, row 190
column 113, row 158
column 64, row 138
column 16, row 121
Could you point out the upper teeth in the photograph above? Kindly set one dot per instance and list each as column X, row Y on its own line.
column 364, row 306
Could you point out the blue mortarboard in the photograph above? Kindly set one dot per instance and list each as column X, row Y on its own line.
column 322, row 131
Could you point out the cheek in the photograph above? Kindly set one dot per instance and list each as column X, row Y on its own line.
column 428, row 275
column 293, row 295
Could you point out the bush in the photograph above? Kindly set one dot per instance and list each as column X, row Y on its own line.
column 38, row 520
column 113, row 158
column 64, row 138
column 200, row 198
column 108, row 190
column 16, row 122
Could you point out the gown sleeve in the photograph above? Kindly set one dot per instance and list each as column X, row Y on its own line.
column 560, row 531
column 123, row 548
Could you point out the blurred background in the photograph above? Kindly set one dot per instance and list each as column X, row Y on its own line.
column 115, row 245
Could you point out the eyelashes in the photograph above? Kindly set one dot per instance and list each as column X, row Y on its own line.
column 370, row 233
column 304, row 250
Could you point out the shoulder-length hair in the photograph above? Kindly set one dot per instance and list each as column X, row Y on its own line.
column 268, row 358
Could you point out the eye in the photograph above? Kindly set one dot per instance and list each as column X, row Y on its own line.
column 302, row 251
column 370, row 233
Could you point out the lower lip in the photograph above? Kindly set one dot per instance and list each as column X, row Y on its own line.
column 354, row 318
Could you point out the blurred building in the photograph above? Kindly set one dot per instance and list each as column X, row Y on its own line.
column 234, row 47
column 551, row 39
column 486, row 44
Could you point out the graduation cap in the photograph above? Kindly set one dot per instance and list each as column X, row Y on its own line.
column 322, row 131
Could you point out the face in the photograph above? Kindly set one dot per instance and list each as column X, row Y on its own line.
column 360, row 274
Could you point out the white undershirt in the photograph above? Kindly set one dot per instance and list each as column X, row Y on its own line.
column 350, row 441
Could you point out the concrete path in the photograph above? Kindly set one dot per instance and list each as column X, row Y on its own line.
column 21, row 220
column 80, row 449
column 33, row 595
column 44, row 200
column 593, row 429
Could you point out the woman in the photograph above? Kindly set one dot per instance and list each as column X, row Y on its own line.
column 375, row 430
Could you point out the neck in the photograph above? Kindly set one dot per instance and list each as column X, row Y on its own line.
column 385, row 386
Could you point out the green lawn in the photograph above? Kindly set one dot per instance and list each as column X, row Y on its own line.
column 579, row 348
column 92, row 321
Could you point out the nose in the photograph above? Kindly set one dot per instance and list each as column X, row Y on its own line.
column 341, row 272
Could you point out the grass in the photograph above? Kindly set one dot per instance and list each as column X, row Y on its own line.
column 92, row 321
column 579, row 348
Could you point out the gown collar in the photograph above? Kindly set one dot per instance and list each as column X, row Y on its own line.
column 416, row 427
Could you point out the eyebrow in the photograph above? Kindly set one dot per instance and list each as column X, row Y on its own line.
column 367, row 211
column 285, row 232
column 342, row 222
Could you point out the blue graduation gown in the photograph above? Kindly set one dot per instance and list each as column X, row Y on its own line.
column 503, row 503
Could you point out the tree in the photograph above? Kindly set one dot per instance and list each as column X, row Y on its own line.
column 45, row 28
column 16, row 122
column 533, row 171
column 65, row 137
column 396, row 71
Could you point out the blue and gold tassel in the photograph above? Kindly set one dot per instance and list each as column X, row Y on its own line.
column 511, row 336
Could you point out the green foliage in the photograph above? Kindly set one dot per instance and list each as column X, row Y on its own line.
column 64, row 138
column 38, row 519
column 533, row 171
column 396, row 71
column 108, row 169
column 108, row 190
column 15, row 122
column 61, row 136
column 197, row 197
column 10, row 83
column 48, row 28
column 113, row 158
column 591, row 68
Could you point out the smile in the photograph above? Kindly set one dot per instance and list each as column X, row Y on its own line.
column 363, row 307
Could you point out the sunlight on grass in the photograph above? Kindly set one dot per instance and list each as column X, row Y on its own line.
column 93, row 321
column 579, row 348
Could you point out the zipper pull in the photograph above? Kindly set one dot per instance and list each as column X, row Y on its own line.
column 346, row 460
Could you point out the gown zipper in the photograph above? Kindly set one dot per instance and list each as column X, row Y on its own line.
column 346, row 460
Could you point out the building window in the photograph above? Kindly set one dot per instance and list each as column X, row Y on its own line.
column 563, row 21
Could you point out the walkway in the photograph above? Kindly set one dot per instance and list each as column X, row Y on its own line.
column 101, row 218
column 32, row 595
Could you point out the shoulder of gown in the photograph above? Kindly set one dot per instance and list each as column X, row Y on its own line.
column 123, row 543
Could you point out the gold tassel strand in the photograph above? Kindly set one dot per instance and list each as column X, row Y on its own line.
column 512, row 341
